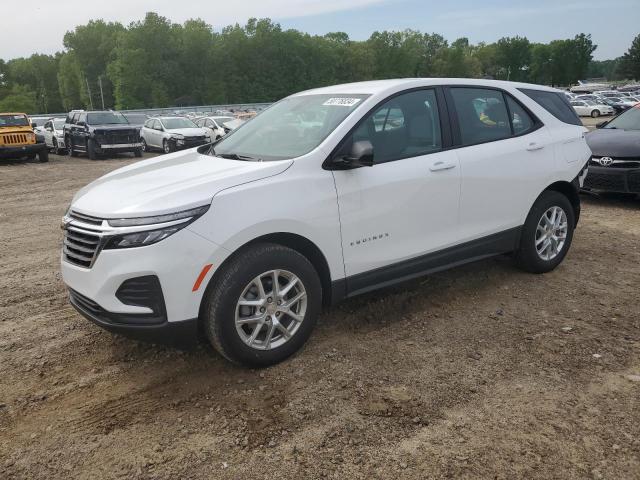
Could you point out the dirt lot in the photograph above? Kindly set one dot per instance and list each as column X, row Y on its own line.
column 479, row 372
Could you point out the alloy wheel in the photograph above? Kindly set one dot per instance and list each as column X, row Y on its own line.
column 270, row 309
column 551, row 233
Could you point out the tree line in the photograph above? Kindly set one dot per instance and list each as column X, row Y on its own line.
column 157, row 63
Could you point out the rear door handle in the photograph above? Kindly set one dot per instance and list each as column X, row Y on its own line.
column 533, row 146
column 439, row 166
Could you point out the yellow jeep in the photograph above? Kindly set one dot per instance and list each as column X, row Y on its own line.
column 18, row 140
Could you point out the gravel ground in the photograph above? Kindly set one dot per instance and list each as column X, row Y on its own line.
column 478, row 372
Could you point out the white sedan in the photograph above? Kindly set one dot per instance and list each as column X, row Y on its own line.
column 173, row 133
column 215, row 124
column 54, row 134
column 587, row 108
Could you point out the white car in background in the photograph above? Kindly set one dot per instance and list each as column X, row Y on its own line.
column 589, row 108
column 54, row 135
column 173, row 133
column 216, row 125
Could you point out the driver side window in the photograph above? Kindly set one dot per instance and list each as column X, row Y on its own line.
column 407, row 125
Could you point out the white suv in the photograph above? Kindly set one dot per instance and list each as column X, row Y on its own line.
column 327, row 194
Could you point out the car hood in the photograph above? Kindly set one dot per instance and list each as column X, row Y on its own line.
column 168, row 183
column 187, row 132
column 611, row 142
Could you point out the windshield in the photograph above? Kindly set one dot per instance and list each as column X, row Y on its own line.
column 13, row 121
column 58, row 123
column 136, row 119
column 172, row 123
column 629, row 120
column 105, row 118
column 290, row 128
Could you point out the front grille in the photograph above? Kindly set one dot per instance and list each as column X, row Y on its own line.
column 618, row 162
column 86, row 218
column 634, row 182
column 115, row 138
column 603, row 181
column 82, row 242
column 14, row 138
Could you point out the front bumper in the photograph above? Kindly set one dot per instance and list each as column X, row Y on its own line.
column 613, row 179
column 176, row 261
column 22, row 150
column 121, row 146
column 184, row 144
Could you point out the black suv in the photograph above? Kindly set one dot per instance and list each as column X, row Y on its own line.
column 99, row 132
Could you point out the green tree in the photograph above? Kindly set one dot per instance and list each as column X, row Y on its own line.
column 19, row 99
column 513, row 55
column 630, row 61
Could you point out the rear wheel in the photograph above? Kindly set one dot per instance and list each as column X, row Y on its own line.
column 263, row 305
column 547, row 233
column 595, row 113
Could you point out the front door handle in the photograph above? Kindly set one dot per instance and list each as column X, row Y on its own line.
column 439, row 166
column 533, row 146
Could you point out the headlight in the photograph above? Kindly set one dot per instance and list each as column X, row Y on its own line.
column 173, row 222
column 177, row 137
column 190, row 214
column 31, row 137
column 140, row 239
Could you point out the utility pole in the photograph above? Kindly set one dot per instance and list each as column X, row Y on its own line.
column 101, row 94
column 89, row 92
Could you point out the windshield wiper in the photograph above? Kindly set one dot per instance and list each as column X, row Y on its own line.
column 233, row 156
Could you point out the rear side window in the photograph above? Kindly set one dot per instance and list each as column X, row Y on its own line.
column 520, row 119
column 482, row 115
column 555, row 103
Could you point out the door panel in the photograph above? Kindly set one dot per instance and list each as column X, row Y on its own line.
column 397, row 210
column 407, row 203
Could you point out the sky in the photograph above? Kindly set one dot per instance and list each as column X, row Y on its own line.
column 38, row 26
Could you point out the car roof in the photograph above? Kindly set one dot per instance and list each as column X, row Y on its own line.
column 381, row 86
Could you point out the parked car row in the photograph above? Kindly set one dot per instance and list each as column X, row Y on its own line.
column 100, row 133
column 603, row 102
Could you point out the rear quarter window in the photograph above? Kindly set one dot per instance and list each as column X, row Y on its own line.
column 555, row 103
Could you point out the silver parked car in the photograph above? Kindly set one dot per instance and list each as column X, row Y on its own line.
column 172, row 133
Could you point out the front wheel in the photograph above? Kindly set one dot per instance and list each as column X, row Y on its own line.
column 43, row 155
column 262, row 306
column 167, row 146
column 144, row 147
column 595, row 113
column 138, row 152
column 91, row 149
column 547, row 233
column 69, row 144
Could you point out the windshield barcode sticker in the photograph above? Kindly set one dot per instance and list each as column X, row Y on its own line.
column 342, row 102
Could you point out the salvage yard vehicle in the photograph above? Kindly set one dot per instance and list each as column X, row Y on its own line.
column 173, row 133
column 246, row 239
column 100, row 132
column 216, row 125
column 54, row 135
column 18, row 140
column 615, row 165
column 588, row 108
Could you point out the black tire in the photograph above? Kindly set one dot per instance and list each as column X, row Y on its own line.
column 43, row 155
column 138, row 152
column 56, row 149
column 91, row 149
column 69, row 145
column 223, row 293
column 595, row 113
column 145, row 148
column 167, row 146
column 527, row 256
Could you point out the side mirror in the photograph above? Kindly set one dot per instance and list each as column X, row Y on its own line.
column 360, row 155
column 34, row 125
